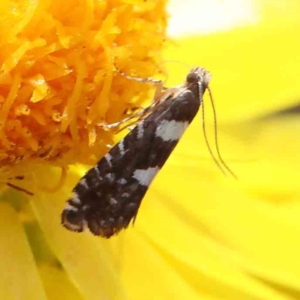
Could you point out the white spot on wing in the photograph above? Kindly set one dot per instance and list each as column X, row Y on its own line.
column 144, row 177
column 108, row 159
column 85, row 207
column 75, row 227
column 171, row 130
column 81, row 226
column 140, row 130
column 97, row 170
column 113, row 201
column 70, row 207
column 75, row 199
column 122, row 181
column 110, row 177
column 121, row 147
column 84, row 183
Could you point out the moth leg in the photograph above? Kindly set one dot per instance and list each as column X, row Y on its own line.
column 130, row 127
column 157, row 82
column 140, row 115
column 158, row 98
column 117, row 124
column 137, row 115
column 161, row 95
column 139, row 79
column 132, row 110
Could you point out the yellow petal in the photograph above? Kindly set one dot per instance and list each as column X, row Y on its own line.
column 57, row 283
column 59, row 76
column 254, row 67
column 87, row 261
column 198, row 234
column 19, row 277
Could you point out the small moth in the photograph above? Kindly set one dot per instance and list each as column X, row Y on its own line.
column 108, row 196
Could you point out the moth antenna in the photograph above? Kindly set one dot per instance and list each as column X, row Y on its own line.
column 139, row 79
column 216, row 134
column 156, row 82
column 207, row 142
column 178, row 62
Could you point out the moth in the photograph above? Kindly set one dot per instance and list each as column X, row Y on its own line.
column 107, row 198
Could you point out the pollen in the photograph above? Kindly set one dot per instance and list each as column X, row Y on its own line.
column 59, row 74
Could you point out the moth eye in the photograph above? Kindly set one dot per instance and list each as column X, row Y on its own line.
column 192, row 77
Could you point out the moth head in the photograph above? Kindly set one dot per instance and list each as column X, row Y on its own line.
column 198, row 78
column 198, row 75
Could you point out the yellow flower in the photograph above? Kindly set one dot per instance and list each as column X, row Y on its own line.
column 226, row 239
column 59, row 80
column 198, row 235
column 58, row 76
